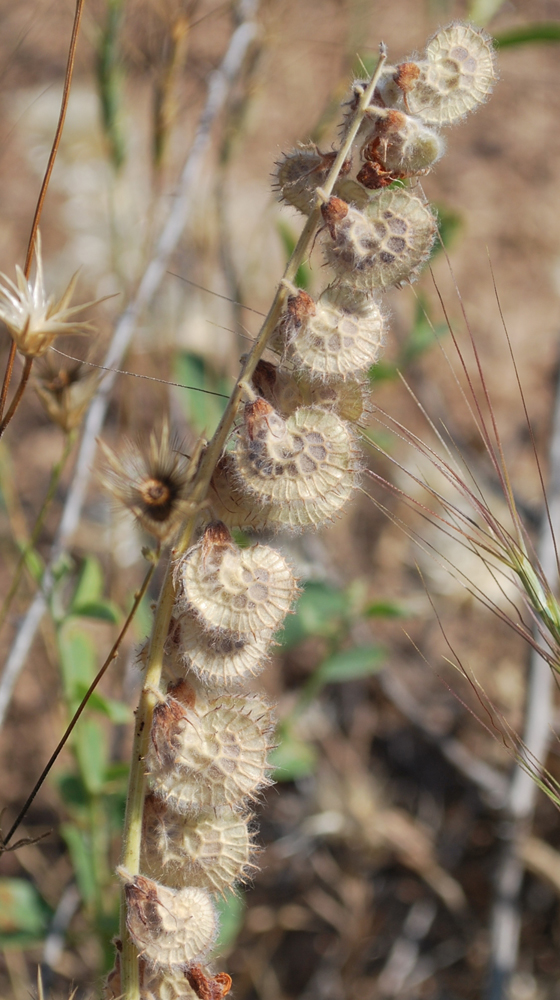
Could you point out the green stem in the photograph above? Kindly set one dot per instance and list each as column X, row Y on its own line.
column 137, row 784
column 33, row 538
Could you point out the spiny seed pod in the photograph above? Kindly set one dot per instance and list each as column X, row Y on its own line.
column 152, row 482
column 210, row 757
column 216, row 657
column 304, row 467
column 243, row 591
column 339, row 335
column 171, row 928
column 397, row 146
column 382, row 246
column 287, row 391
column 457, row 73
column 300, row 172
column 211, row 851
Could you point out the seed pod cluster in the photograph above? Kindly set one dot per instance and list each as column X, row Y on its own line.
column 292, row 463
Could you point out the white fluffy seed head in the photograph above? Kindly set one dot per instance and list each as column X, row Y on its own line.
column 382, row 246
column 211, row 851
column 241, row 591
column 170, row 928
column 299, row 173
column 217, row 658
column 303, row 468
column 286, row 391
column 211, row 756
column 338, row 336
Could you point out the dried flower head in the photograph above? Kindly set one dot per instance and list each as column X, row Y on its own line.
column 303, row 468
column 211, row 756
column 171, row 928
column 33, row 318
column 339, row 335
column 217, row 658
column 151, row 482
column 211, row 851
column 300, row 172
column 242, row 591
column 382, row 246
column 65, row 392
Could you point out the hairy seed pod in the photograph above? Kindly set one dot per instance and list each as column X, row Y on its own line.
column 217, row 658
column 382, row 246
column 171, row 928
column 339, row 335
column 304, row 467
column 209, row 757
column 154, row 984
column 211, row 851
column 287, row 391
column 299, row 173
column 232, row 504
column 397, row 146
column 243, row 591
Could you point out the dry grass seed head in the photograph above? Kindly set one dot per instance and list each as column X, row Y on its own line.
column 212, row 851
column 151, row 482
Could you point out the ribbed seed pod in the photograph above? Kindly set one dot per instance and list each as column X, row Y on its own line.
column 382, row 246
column 154, row 985
column 171, row 928
column 304, row 467
column 243, row 591
column 287, row 391
column 232, row 504
column 397, row 146
column 339, row 335
column 216, row 657
column 209, row 757
column 300, row 172
column 211, row 851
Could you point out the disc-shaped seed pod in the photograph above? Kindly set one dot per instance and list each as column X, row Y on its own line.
column 207, row 758
column 154, row 984
column 300, row 172
column 288, row 390
column 339, row 335
column 211, row 851
column 382, row 246
column 457, row 73
column 216, row 657
column 232, row 504
column 305, row 467
column 243, row 591
column 171, row 928
column 397, row 146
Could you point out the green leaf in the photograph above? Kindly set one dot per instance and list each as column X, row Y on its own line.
column 293, row 758
column 116, row 711
column 320, row 610
column 90, row 583
column 231, row 913
column 382, row 371
column 482, row 11
column 83, row 863
column 303, row 274
column 92, row 754
column 384, row 609
column 24, row 915
column 106, row 611
column 351, row 664
column 78, row 660
column 73, row 791
column 540, row 31
column 450, row 224
column 202, row 411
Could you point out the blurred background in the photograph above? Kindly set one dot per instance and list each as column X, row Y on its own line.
column 382, row 845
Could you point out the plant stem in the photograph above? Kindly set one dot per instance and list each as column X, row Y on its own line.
column 137, row 784
column 32, row 540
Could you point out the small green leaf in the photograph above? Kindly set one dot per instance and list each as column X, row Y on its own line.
column 90, row 583
column 384, row 609
column 482, row 11
column 92, row 754
column 231, row 913
column 320, row 610
column 202, row 411
column 106, row 611
column 116, row 711
column 293, row 758
column 73, row 791
column 351, row 664
column 24, row 915
column 81, row 856
column 78, row 660
column 540, row 31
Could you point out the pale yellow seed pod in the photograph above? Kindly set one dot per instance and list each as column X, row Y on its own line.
column 211, row 851
column 300, row 172
column 242, row 591
column 457, row 74
column 171, row 928
column 304, row 467
column 210, row 757
column 230, row 502
column 217, row 658
column 382, row 246
column 338, row 336
column 402, row 146
column 288, row 390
